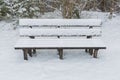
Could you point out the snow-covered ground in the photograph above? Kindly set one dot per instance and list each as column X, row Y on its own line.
column 77, row 65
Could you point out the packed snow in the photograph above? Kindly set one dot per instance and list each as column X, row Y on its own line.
column 59, row 31
column 46, row 65
column 64, row 43
column 83, row 22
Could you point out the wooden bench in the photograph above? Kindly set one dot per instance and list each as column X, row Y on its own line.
column 60, row 34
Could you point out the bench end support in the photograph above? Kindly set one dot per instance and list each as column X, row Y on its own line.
column 25, row 54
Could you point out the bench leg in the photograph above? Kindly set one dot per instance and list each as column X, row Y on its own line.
column 30, row 52
column 60, row 53
column 34, row 51
column 95, row 53
column 91, row 51
column 25, row 54
column 86, row 50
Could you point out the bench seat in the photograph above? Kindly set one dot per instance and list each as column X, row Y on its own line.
column 59, row 43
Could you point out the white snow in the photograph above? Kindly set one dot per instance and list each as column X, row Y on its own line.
column 91, row 22
column 59, row 31
column 53, row 43
column 77, row 65
column 50, row 15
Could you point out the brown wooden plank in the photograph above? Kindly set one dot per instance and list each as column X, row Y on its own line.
column 91, row 51
column 34, row 51
column 95, row 53
column 60, row 47
column 61, row 53
column 30, row 52
column 25, row 54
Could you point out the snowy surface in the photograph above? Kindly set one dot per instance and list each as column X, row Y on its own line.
column 59, row 31
column 58, row 43
column 77, row 65
column 89, row 22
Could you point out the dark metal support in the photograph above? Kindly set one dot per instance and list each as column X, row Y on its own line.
column 86, row 50
column 34, row 51
column 60, row 53
column 25, row 54
column 91, row 51
column 95, row 53
column 30, row 52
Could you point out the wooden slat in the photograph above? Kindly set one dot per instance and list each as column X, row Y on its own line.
column 80, row 22
column 60, row 43
column 59, row 32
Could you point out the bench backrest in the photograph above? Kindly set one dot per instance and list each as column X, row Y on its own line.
column 61, row 27
column 60, row 22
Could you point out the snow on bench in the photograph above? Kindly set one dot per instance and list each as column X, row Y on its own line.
column 60, row 43
column 80, row 22
column 59, row 32
column 60, row 37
